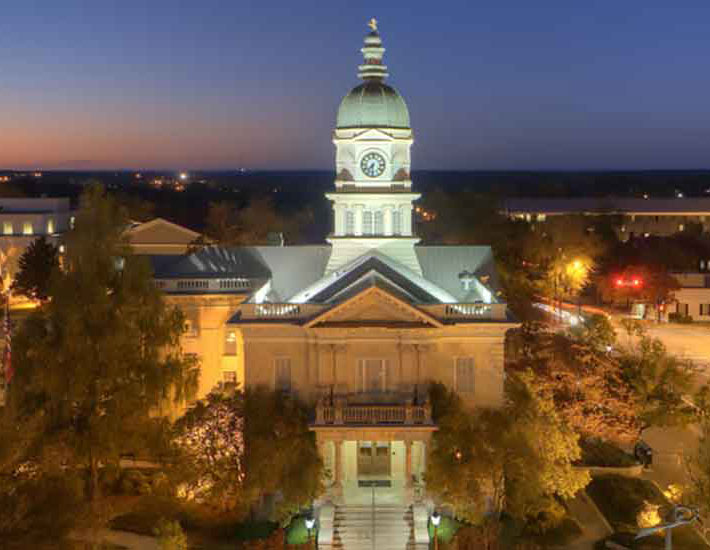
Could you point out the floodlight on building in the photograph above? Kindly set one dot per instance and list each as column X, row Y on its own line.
column 310, row 523
column 435, row 519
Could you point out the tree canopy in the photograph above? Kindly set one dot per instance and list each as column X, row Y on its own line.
column 36, row 266
column 96, row 359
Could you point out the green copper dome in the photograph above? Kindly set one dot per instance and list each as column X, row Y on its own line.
column 373, row 104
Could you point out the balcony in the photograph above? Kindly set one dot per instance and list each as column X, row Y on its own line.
column 338, row 412
column 467, row 312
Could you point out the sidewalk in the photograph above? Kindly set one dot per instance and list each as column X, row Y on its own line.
column 123, row 539
column 594, row 526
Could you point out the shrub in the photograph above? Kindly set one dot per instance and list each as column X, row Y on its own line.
column 596, row 452
column 170, row 535
column 679, row 318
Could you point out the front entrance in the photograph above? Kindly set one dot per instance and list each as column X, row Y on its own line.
column 373, row 459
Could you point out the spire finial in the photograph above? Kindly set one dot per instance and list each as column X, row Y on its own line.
column 372, row 68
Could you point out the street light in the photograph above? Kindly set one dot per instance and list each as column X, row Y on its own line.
column 682, row 515
column 310, row 524
column 435, row 521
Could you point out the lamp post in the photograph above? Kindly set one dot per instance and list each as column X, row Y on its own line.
column 310, row 523
column 435, row 521
column 682, row 515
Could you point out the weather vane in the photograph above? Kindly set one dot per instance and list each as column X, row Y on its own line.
column 372, row 23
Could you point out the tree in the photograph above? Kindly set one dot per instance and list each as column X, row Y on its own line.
column 9, row 264
column 585, row 380
column 518, row 460
column 99, row 358
column 39, row 260
column 237, row 449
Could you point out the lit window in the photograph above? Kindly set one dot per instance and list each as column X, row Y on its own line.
column 27, row 228
column 396, row 222
column 681, row 227
column 7, row 228
column 72, row 221
column 367, row 222
column 704, row 309
column 230, row 343
column 282, row 374
column 464, row 375
column 50, row 226
column 349, row 222
column 379, row 223
column 541, row 217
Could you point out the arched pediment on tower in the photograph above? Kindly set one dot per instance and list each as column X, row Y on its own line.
column 345, row 175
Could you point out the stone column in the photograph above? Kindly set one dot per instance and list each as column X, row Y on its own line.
column 338, row 477
column 358, row 218
column 407, row 220
column 408, row 464
column 339, row 223
column 388, row 220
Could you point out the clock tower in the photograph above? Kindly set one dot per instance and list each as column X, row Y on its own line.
column 372, row 202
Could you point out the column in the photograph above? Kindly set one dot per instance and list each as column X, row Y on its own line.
column 358, row 218
column 388, row 220
column 339, row 223
column 407, row 220
column 408, row 464
column 338, row 481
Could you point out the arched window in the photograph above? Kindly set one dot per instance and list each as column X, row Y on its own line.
column 396, row 222
column 367, row 222
column 349, row 222
column 379, row 223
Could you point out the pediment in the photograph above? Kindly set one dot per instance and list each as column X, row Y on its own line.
column 374, row 307
column 160, row 230
column 373, row 134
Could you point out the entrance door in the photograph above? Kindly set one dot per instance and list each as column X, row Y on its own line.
column 373, row 459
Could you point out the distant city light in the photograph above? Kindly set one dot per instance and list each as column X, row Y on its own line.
column 183, row 175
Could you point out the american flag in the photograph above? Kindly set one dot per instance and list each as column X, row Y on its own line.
column 7, row 356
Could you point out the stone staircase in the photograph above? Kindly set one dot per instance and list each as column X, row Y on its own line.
column 366, row 528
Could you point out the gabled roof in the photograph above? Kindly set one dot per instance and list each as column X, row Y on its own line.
column 374, row 306
column 420, row 290
column 211, row 262
column 161, row 231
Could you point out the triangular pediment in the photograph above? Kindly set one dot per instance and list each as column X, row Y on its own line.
column 374, row 307
column 373, row 134
column 159, row 230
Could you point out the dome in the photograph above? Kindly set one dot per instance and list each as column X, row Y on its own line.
column 373, row 104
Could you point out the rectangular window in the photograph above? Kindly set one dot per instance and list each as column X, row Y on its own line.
column 230, row 343
column 27, row 228
column 464, row 374
column 7, row 228
column 682, row 309
column 367, row 222
column 375, row 375
column 282, row 374
column 379, row 223
column 396, row 222
column 50, row 226
column 704, row 309
column 349, row 222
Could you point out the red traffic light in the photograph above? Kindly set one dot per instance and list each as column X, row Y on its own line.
column 635, row 282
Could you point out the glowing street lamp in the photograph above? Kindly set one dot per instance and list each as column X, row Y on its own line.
column 435, row 521
column 310, row 524
column 682, row 515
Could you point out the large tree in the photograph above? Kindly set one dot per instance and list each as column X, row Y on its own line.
column 99, row 358
column 519, row 459
column 37, row 264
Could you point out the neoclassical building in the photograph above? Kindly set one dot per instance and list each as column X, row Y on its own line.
column 358, row 327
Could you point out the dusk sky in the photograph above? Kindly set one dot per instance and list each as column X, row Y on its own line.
column 227, row 84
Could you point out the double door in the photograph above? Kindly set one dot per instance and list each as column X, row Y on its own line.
column 373, row 459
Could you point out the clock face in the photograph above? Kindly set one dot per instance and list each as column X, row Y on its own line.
column 373, row 165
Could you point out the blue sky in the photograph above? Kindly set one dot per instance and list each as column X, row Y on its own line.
column 225, row 84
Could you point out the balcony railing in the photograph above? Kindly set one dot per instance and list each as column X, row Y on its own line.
column 275, row 312
column 339, row 412
column 467, row 312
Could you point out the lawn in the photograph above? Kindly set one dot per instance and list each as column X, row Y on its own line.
column 447, row 529
column 620, row 499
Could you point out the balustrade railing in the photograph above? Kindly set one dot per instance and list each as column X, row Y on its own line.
column 342, row 413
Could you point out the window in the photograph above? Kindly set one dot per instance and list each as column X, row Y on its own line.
column 704, row 309
column 50, row 226
column 396, row 222
column 282, row 374
column 681, row 227
column 367, row 222
column 541, row 217
column 375, row 375
column 349, row 222
column 7, row 228
column 72, row 221
column 230, row 343
column 190, row 331
column 379, row 223
column 27, row 228
column 682, row 309
column 464, row 375
column 229, row 377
